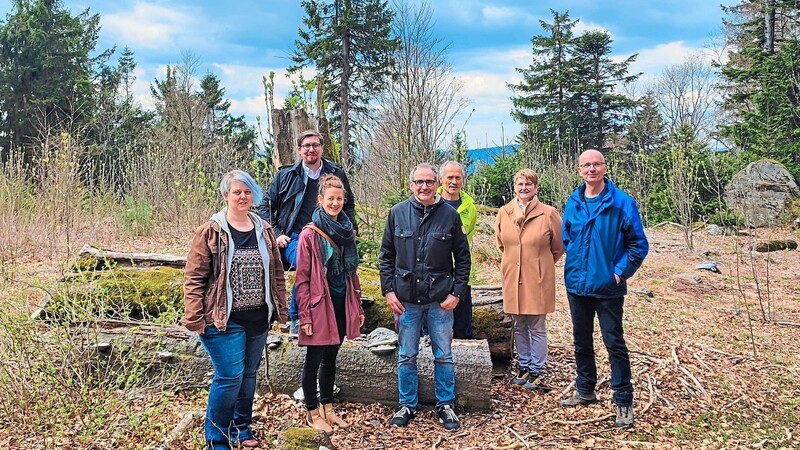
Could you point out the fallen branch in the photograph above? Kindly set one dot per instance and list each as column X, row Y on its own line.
column 652, row 394
column 524, row 442
column 186, row 424
column 788, row 324
column 674, row 351
column 792, row 370
column 437, row 443
column 733, row 402
column 702, row 363
column 584, row 422
column 568, row 388
column 127, row 258
column 693, row 378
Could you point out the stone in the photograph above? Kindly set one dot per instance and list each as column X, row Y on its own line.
column 762, row 193
column 711, row 266
column 715, row 230
column 644, row 292
column 689, row 277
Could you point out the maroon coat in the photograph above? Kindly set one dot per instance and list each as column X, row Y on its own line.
column 314, row 298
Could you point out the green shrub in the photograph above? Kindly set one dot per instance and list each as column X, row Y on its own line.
column 137, row 218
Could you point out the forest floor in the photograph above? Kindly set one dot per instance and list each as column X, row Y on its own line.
column 715, row 359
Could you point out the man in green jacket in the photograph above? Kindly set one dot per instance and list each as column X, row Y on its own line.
column 451, row 177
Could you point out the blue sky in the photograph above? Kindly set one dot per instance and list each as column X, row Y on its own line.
column 241, row 41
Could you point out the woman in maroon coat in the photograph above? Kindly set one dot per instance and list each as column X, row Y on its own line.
column 328, row 298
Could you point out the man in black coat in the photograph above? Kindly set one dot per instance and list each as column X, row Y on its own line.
column 292, row 198
column 424, row 267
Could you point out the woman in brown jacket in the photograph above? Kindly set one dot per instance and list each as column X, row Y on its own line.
column 328, row 298
column 528, row 233
column 234, row 289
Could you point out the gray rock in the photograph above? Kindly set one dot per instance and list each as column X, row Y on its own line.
column 711, row 266
column 689, row 277
column 644, row 292
column 381, row 336
column 715, row 230
column 761, row 193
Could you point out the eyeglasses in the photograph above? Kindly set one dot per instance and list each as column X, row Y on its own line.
column 428, row 183
column 595, row 165
column 310, row 146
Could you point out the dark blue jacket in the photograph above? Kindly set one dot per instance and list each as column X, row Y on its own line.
column 424, row 253
column 610, row 241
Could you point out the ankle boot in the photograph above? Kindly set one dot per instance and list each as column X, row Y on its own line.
column 317, row 422
column 332, row 418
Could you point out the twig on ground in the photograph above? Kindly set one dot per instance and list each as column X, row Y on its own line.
column 693, row 378
column 437, row 443
column 665, row 400
column 702, row 363
column 788, row 324
column 674, row 351
column 583, row 422
column 652, row 394
column 521, row 439
column 568, row 388
column 689, row 388
column 186, row 424
column 732, row 402
column 793, row 370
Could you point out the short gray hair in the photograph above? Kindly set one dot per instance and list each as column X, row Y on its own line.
column 455, row 163
column 420, row 166
column 244, row 178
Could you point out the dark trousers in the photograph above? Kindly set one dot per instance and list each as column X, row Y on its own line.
column 320, row 359
column 609, row 315
column 462, row 317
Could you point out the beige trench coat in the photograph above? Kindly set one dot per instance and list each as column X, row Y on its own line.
column 529, row 256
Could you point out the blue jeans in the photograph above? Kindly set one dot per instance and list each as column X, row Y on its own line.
column 236, row 357
column 290, row 255
column 440, row 325
column 530, row 338
column 609, row 315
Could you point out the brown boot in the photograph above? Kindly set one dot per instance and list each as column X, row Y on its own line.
column 317, row 422
column 332, row 418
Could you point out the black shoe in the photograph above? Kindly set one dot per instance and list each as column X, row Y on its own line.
column 522, row 376
column 535, row 383
column 448, row 418
column 624, row 416
column 402, row 417
column 578, row 399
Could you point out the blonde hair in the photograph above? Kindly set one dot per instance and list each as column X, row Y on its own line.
column 329, row 180
column 528, row 174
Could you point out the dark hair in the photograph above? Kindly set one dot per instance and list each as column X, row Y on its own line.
column 309, row 133
column 329, row 180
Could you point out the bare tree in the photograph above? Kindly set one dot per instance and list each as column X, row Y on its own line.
column 686, row 95
column 415, row 112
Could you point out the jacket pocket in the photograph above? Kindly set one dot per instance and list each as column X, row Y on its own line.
column 403, row 284
column 440, row 285
column 315, row 301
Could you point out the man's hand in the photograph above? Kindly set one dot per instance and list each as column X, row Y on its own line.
column 450, row 302
column 394, row 303
column 283, row 240
column 306, row 329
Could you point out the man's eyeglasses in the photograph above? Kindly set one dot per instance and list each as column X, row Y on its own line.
column 420, row 183
column 310, row 146
column 588, row 166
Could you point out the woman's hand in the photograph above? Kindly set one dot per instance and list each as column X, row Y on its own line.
column 360, row 321
column 306, row 329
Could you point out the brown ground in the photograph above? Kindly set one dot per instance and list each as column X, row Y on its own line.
column 709, row 370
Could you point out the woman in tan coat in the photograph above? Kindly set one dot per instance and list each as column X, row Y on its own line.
column 528, row 233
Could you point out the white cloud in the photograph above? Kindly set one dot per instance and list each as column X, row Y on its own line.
column 582, row 27
column 149, row 26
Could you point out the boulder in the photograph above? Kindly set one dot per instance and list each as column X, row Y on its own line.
column 761, row 193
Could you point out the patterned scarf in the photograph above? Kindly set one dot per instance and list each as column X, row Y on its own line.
column 341, row 231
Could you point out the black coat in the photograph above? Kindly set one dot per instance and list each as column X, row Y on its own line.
column 424, row 253
column 285, row 195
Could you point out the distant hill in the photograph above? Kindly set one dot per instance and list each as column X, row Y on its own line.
column 488, row 154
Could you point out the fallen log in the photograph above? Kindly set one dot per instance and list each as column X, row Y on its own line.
column 177, row 357
column 365, row 377
column 93, row 258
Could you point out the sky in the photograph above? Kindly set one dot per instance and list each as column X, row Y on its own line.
column 243, row 40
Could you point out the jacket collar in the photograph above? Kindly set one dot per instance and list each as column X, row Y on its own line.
column 466, row 199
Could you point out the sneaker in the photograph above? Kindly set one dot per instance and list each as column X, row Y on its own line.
column 448, row 418
column 535, row 383
column 402, row 417
column 522, row 376
column 294, row 327
column 624, row 416
column 578, row 399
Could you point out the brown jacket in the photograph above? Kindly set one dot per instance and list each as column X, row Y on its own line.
column 205, row 293
column 530, row 252
column 313, row 295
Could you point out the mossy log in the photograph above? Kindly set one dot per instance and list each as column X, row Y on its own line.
column 94, row 258
column 366, row 377
column 176, row 356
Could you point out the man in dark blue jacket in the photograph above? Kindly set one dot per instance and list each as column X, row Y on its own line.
column 292, row 198
column 424, row 266
column 605, row 244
